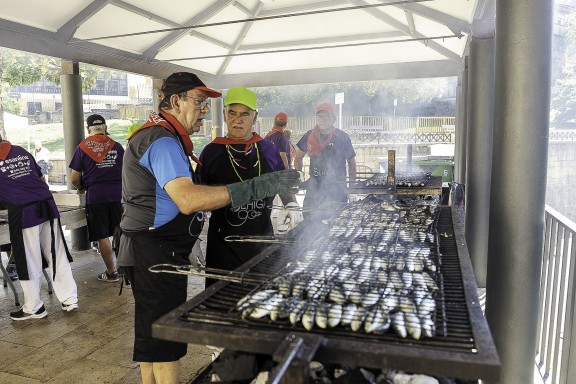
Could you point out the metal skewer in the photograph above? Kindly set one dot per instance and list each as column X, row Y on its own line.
column 212, row 273
column 257, row 239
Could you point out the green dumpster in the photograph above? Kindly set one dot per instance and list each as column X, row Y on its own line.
column 443, row 167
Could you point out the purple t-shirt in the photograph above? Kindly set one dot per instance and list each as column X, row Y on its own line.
column 102, row 181
column 280, row 141
column 21, row 184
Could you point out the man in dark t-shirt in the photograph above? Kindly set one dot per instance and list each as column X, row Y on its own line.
column 329, row 149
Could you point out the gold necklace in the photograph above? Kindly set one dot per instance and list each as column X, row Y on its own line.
column 233, row 160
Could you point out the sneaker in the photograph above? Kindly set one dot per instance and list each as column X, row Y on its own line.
column 69, row 307
column 95, row 247
column 12, row 274
column 21, row 315
column 109, row 277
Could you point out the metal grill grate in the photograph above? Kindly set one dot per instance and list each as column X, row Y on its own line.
column 455, row 350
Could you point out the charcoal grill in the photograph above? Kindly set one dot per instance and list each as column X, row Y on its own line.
column 404, row 184
column 393, row 183
column 462, row 347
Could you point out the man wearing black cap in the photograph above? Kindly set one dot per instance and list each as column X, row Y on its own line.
column 162, row 213
column 97, row 169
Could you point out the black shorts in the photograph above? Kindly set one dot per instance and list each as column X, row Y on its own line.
column 102, row 219
column 155, row 294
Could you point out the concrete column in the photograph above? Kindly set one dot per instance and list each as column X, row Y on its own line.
column 519, row 161
column 461, row 128
column 479, row 153
column 73, row 123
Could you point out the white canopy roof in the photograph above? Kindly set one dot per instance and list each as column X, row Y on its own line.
column 253, row 42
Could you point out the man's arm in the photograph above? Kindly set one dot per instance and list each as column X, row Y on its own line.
column 298, row 159
column 284, row 159
column 351, row 171
column 76, row 179
column 190, row 197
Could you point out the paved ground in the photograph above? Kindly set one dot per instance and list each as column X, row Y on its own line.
column 90, row 345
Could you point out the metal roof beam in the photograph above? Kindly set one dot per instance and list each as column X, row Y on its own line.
column 454, row 24
column 326, row 40
column 149, row 15
column 404, row 28
column 207, row 13
column 30, row 39
column 413, row 70
column 241, row 36
column 67, row 31
column 305, row 7
column 410, row 21
column 169, row 23
column 242, row 8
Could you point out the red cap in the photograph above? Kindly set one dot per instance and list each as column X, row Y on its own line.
column 280, row 118
column 324, row 107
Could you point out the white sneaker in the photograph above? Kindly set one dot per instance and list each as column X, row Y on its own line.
column 69, row 307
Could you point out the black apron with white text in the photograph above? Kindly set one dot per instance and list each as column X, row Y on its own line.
column 249, row 219
column 17, row 238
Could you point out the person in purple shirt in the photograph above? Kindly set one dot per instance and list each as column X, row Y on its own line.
column 35, row 233
column 97, row 168
column 276, row 136
column 239, row 156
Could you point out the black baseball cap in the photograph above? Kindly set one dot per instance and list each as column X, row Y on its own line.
column 184, row 81
column 93, row 120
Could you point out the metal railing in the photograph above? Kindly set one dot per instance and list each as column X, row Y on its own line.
column 556, row 338
column 562, row 135
column 378, row 129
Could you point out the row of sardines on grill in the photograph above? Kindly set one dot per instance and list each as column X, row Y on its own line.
column 379, row 278
column 414, row 179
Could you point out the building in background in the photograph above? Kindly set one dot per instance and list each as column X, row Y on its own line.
column 115, row 95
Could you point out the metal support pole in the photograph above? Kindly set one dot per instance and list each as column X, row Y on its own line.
column 519, row 162
column 217, row 116
column 409, row 151
column 73, row 123
column 461, row 128
column 479, row 153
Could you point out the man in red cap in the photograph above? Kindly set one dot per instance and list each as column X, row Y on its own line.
column 276, row 136
column 329, row 149
column 290, row 216
column 163, row 215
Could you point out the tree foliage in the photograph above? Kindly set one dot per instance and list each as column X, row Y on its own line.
column 23, row 68
column 361, row 98
column 563, row 95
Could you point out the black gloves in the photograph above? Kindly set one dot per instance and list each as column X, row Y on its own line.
column 263, row 186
